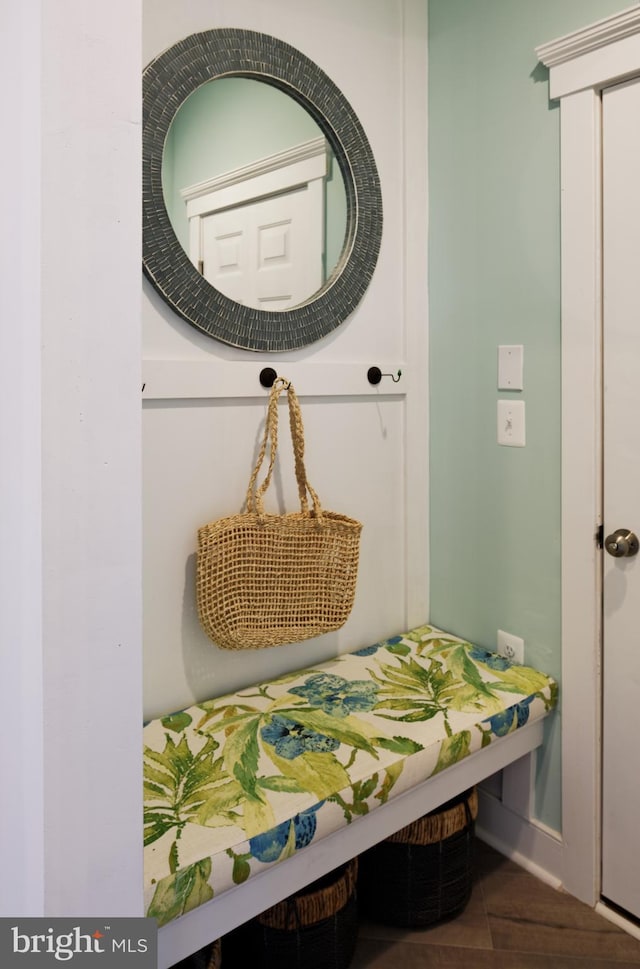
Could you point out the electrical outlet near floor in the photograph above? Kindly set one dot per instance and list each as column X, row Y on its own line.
column 511, row 647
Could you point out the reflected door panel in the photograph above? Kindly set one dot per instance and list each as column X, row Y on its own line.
column 267, row 253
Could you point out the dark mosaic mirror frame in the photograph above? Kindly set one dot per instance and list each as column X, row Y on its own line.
column 167, row 82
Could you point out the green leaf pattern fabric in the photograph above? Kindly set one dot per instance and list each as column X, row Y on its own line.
column 235, row 784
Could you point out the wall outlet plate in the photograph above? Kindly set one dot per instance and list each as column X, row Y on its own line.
column 511, row 647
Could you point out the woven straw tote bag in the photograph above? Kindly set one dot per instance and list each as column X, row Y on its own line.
column 266, row 580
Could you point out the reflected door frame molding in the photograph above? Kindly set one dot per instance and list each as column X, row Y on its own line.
column 286, row 166
column 580, row 66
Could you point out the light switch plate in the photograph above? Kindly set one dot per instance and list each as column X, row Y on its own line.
column 510, row 367
column 511, row 423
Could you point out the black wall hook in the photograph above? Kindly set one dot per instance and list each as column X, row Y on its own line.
column 375, row 375
column 268, row 377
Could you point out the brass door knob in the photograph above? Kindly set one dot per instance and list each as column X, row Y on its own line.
column 622, row 543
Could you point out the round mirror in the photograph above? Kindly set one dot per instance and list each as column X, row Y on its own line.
column 261, row 229
column 253, row 192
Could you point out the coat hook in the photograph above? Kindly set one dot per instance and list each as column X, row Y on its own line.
column 268, row 377
column 375, row 375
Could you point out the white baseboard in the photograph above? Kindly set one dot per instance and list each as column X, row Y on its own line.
column 529, row 844
column 534, row 847
column 626, row 924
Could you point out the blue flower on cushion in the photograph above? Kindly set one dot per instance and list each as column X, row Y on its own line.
column 304, row 826
column 270, row 845
column 291, row 739
column 370, row 650
column 502, row 723
column 493, row 660
column 336, row 696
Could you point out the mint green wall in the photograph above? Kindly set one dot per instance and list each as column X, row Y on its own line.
column 494, row 277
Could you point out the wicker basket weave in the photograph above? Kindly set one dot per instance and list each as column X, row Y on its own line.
column 314, row 929
column 423, row 874
column 215, row 955
column 266, row 580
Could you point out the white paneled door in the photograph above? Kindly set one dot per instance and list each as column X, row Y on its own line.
column 267, row 253
column 621, row 618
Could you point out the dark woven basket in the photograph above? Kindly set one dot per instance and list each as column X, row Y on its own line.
column 314, row 929
column 423, row 874
column 210, row 957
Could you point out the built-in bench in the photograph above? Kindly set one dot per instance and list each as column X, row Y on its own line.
column 250, row 796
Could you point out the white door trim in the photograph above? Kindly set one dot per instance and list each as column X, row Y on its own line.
column 581, row 65
column 288, row 167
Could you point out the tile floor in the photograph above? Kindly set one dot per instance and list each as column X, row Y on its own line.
column 513, row 921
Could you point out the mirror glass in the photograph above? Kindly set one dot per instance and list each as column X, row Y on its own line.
column 203, row 155
column 254, row 193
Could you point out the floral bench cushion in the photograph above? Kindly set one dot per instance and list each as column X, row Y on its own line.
column 236, row 784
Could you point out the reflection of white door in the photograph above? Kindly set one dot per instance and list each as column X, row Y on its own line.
column 266, row 253
column 621, row 622
column 258, row 233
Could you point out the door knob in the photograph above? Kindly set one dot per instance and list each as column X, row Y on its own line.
column 622, row 543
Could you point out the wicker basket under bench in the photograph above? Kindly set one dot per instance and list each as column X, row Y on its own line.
column 252, row 796
column 317, row 928
column 423, row 873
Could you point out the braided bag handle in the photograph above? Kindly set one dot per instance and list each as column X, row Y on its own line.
column 255, row 496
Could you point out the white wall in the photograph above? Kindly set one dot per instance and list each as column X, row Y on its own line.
column 21, row 760
column 70, row 560
column 90, row 262
column 71, row 610
column 198, row 445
